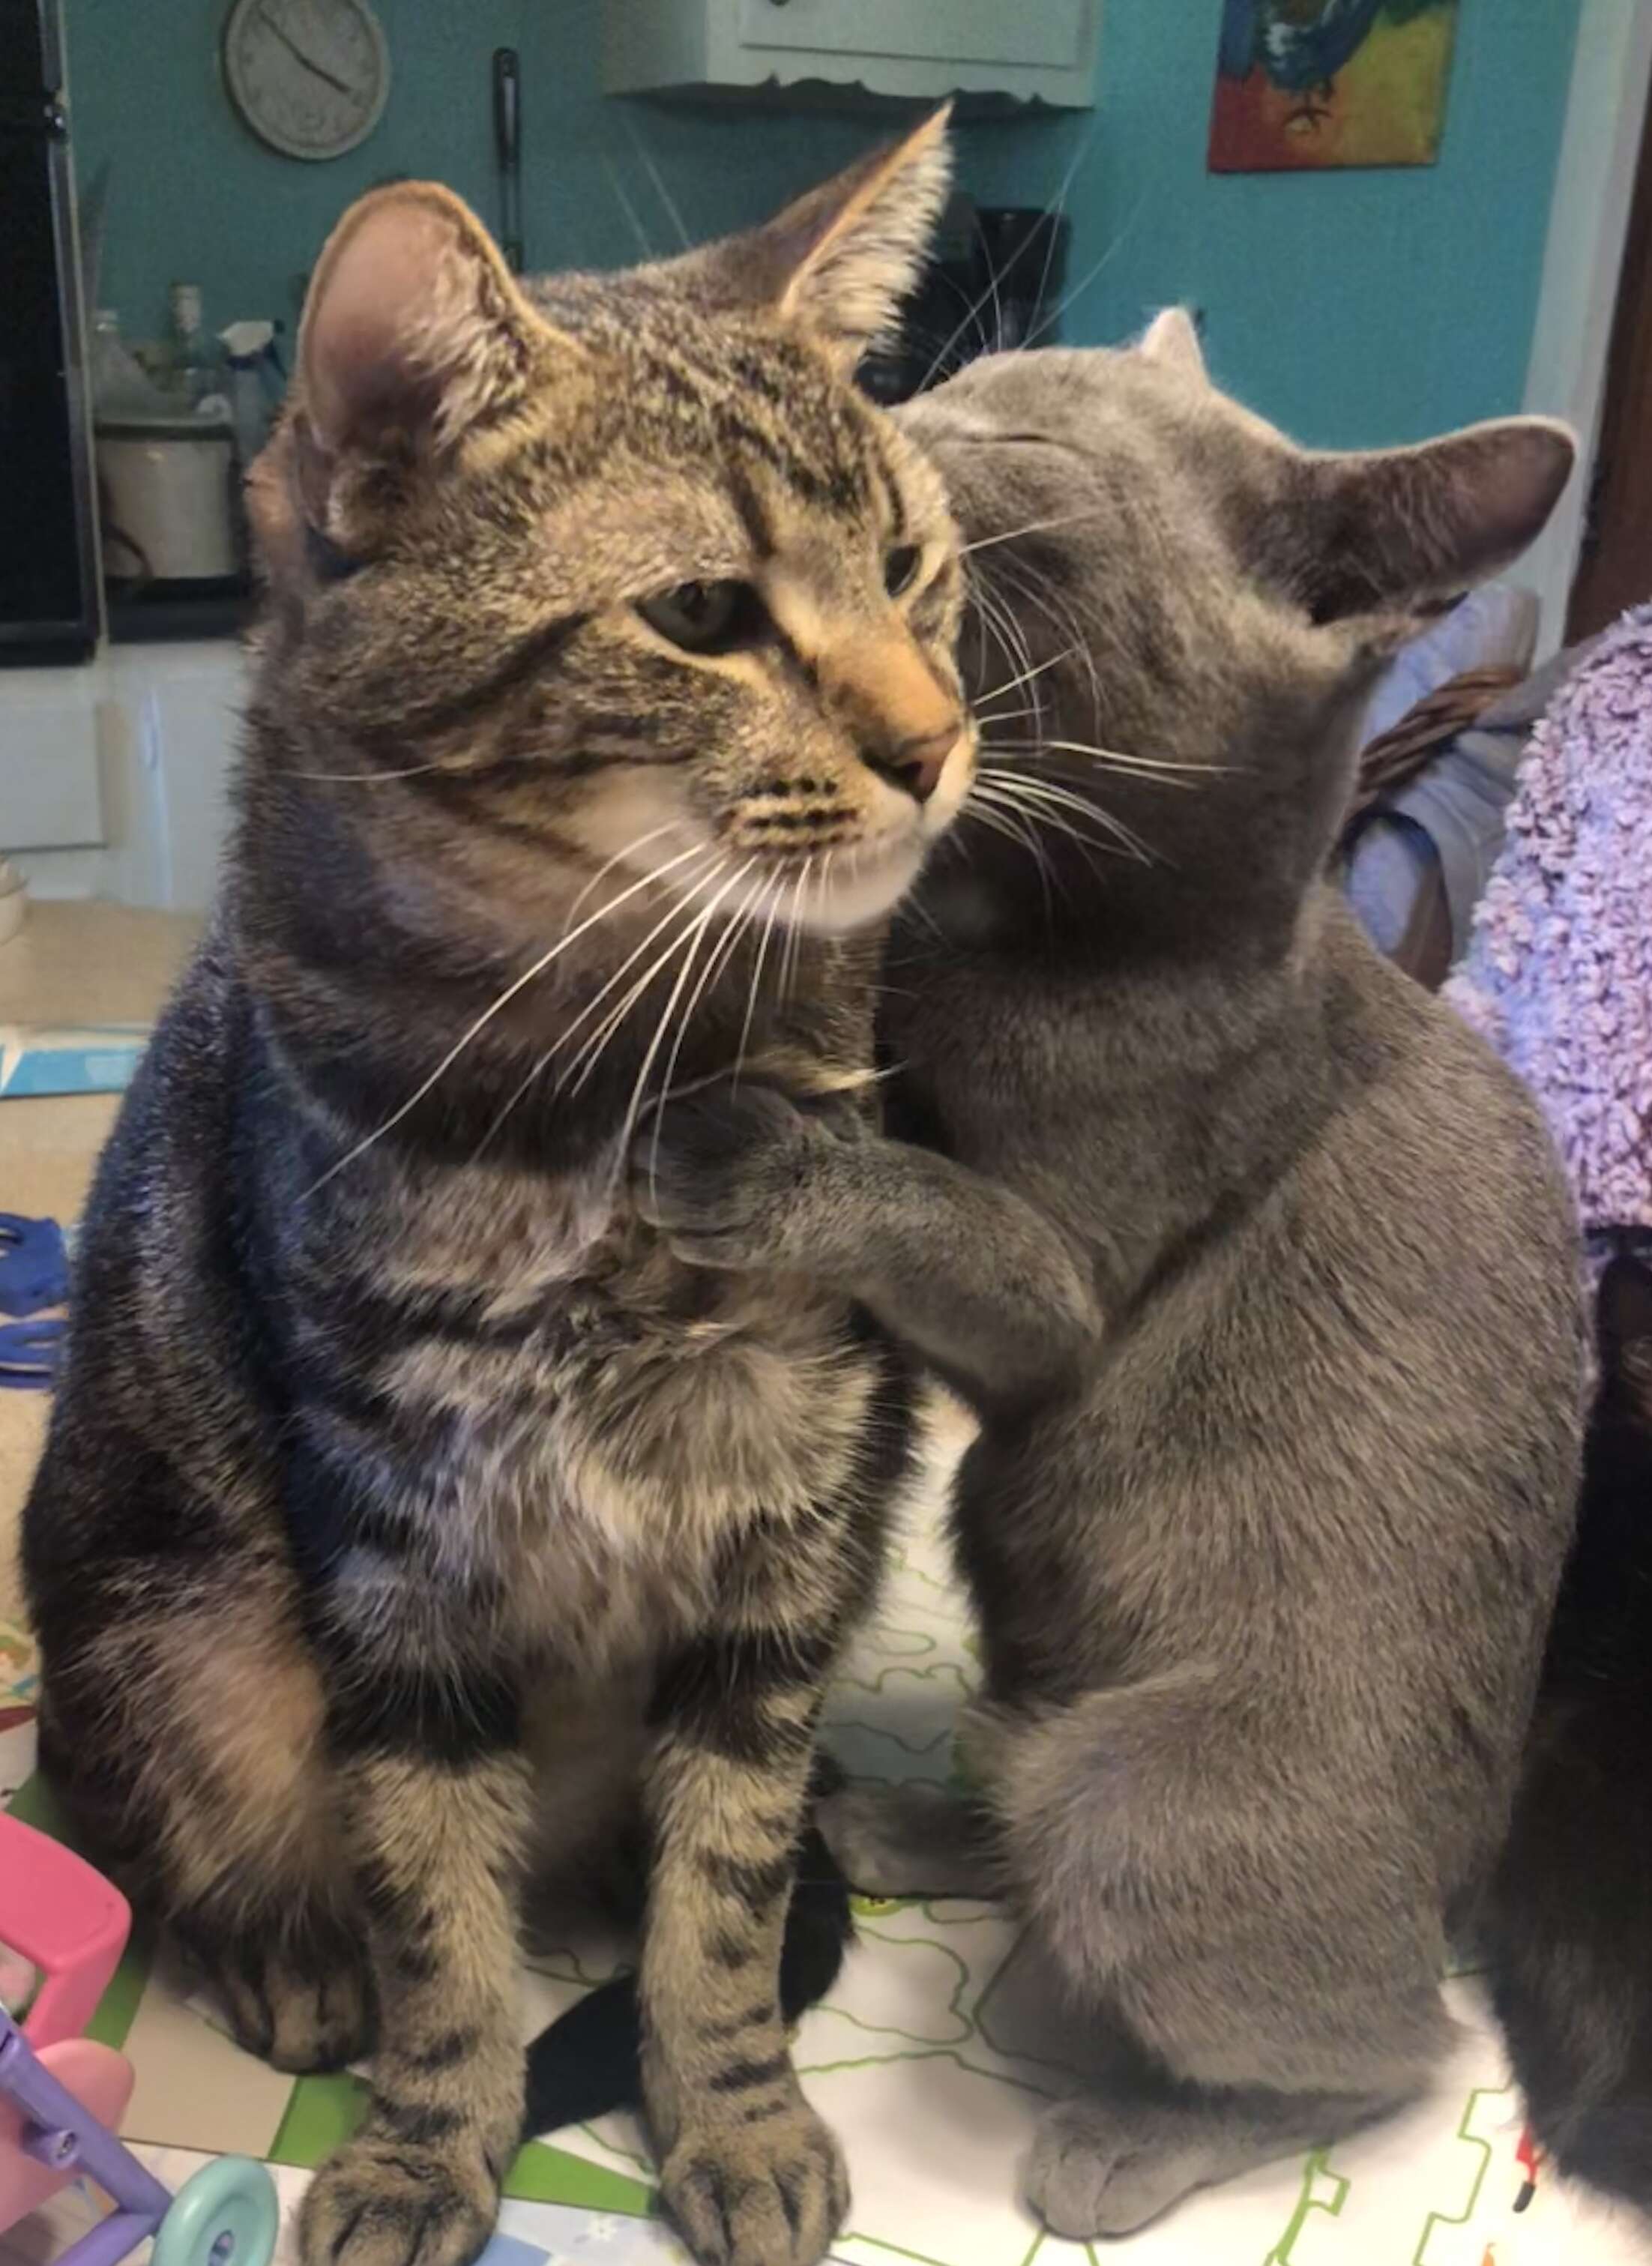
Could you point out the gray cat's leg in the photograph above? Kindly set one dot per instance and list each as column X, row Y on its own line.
column 1107, row 2164
column 1261, row 1928
column 910, row 1840
column 994, row 1296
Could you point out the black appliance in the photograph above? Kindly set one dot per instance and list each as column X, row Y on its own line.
column 48, row 587
column 995, row 282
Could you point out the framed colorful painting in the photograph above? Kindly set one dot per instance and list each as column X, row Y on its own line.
column 1304, row 83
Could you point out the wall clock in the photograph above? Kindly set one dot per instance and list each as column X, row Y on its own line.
column 308, row 76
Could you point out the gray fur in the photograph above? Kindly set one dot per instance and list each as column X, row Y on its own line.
column 1279, row 1451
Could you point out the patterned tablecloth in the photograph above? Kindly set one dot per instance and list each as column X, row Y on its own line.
column 931, row 2059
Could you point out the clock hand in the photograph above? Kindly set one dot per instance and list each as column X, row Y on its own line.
column 309, row 61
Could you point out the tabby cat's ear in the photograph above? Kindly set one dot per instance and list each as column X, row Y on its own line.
column 413, row 326
column 1172, row 339
column 1380, row 538
column 840, row 260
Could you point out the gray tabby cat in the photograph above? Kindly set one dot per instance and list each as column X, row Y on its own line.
column 1255, row 1264
column 412, row 1518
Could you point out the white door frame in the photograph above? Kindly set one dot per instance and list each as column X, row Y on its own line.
column 1594, row 187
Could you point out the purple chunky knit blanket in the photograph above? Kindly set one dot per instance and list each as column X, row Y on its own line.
column 1558, row 974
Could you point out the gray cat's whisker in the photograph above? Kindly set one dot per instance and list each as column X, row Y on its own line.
column 628, row 209
column 1021, row 839
column 1025, row 677
column 1032, row 527
column 1057, row 207
column 518, row 984
column 1010, row 636
column 1166, row 772
column 1013, row 643
column 1040, row 815
column 1051, row 799
column 664, row 194
column 1052, row 213
column 1072, row 298
column 1032, row 786
column 1040, row 591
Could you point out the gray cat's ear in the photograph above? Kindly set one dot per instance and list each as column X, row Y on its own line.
column 413, row 326
column 1172, row 341
column 1383, row 536
column 840, row 260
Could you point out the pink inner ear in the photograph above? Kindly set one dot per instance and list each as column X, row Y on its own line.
column 366, row 357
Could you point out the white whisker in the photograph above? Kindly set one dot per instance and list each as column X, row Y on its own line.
column 1048, row 796
column 716, row 958
column 593, row 1004
column 369, row 778
column 1033, row 526
column 1174, row 773
column 627, row 208
column 634, row 1107
column 757, row 979
column 519, row 983
column 658, row 178
column 1071, row 299
column 1013, row 684
column 579, row 1069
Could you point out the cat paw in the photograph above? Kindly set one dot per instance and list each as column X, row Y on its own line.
column 911, row 1840
column 769, row 2194
column 720, row 1171
column 302, row 2013
column 381, row 2203
column 1098, row 2169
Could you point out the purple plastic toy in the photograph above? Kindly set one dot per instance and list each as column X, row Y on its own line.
column 62, row 2094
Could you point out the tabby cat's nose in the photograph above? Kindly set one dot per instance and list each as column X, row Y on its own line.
column 916, row 764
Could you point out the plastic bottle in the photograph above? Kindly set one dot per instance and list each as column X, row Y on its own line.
column 249, row 351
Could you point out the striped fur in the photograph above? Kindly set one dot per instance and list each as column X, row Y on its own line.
column 412, row 1517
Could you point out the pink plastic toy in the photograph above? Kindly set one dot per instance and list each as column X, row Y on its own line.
column 62, row 2094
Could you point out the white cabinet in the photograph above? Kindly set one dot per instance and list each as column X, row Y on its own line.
column 1042, row 49
column 114, row 777
column 51, row 724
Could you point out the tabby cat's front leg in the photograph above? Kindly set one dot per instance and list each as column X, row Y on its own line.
column 435, row 1828
column 749, row 2173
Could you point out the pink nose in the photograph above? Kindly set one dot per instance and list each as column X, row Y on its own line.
column 916, row 765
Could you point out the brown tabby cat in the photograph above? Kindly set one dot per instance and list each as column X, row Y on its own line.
column 410, row 1511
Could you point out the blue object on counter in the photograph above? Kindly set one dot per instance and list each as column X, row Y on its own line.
column 31, row 1353
column 93, row 1060
column 33, row 1264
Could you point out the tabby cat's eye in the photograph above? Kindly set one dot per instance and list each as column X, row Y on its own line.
column 900, row 568
column 707, row 617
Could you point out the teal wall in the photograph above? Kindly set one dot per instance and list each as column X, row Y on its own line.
column 1351, row 307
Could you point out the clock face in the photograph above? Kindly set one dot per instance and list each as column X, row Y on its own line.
column 309, row 77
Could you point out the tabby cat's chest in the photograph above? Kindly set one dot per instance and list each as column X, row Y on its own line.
column 576, row 1424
